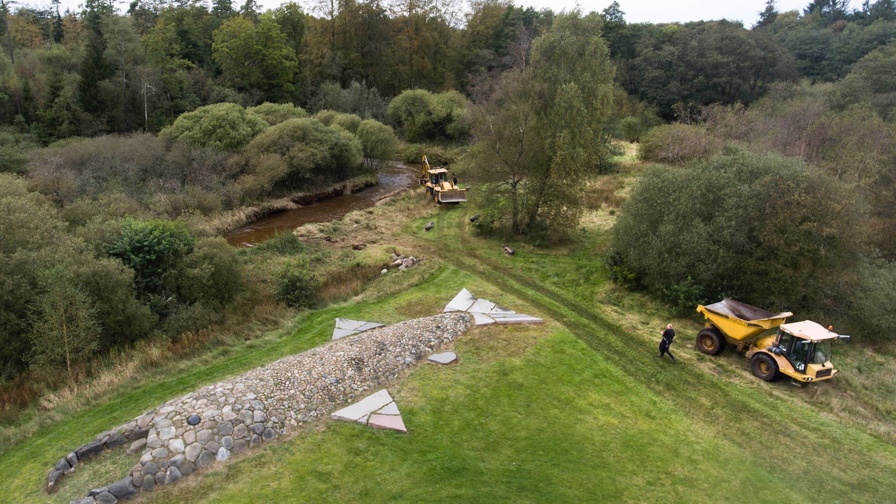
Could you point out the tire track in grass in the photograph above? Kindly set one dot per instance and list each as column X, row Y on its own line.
column 718, row 407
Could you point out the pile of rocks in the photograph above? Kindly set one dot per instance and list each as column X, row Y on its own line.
column 404, row 262
column 210, row 424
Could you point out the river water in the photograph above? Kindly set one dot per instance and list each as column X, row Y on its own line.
column 391, row 177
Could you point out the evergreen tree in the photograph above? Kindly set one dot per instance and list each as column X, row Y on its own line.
column 767, row 16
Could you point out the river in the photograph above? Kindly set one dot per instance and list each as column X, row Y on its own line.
column 393, row 176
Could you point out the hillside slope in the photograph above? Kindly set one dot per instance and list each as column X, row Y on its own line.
column 580, row 409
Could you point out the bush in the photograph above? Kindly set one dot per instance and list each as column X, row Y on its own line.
column 378, row 141
column 349, row 122
column 285, row 243
column 872, row 311
column 308, row 149
column 297, row 286
column 422, row 115
column 170, row 177
column 212, row 274
column 223, row 126
column 276, row 113
column 151, row 248
column 678, row 144
column 760, row 228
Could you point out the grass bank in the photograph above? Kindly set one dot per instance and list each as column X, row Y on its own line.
column 577, row 410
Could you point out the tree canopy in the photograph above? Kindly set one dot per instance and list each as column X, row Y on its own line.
column 539, row 128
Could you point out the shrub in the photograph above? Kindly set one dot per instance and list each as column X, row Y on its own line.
column 378, row 141
column 151, row 248
column 276, row 113
column 212, row 274
column 326, row 116
column 309, row 149
column 678, row 144
column 285, row 243
column 872, row 310
column 223, row 126
column 297, row 286
column 422, row 115
column 349, row 122
column 760, row 228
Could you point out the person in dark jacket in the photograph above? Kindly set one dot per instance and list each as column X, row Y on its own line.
column 666, row 342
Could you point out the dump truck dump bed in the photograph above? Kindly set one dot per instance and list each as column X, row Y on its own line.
column 740, row 321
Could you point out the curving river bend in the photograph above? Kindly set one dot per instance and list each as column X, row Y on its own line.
column 393, row 176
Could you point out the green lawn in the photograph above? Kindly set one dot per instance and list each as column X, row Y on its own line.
column 579, row 409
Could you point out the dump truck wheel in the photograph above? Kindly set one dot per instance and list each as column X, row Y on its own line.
column 710, row 342
column 764, row 367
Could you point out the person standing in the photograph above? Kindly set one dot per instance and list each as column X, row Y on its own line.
column 666, row 342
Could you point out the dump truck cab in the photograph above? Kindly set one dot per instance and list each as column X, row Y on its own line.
column 800, row 350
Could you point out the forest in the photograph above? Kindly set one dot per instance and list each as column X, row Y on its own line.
column 125, row 132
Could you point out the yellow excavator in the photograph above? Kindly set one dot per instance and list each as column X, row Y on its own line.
column 438, row 187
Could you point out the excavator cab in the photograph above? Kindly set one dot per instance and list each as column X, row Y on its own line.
column 437, row 177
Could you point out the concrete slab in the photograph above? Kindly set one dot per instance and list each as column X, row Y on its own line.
column 517, row 318
column 482, row 319
column 368, row 326
column 349, row 324
column 392, row 422
column 341, row 333
column 461, row 302
column 364, row 407
column 389, row 409
column 481, row 306
column 501, row 310
column 443, row 358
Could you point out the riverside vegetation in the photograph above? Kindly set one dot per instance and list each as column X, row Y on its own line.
column 115, row 294
column 577, row 409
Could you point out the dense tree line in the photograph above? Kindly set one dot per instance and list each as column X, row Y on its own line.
column 103, row 71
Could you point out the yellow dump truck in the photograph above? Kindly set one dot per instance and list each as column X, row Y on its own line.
column 800, row 350
column 438, row 187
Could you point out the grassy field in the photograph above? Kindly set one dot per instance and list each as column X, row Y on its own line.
column 579, row 409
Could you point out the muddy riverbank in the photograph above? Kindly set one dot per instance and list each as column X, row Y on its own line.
column 262, row 222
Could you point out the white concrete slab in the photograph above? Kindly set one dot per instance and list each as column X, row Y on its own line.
column 364, row 407
column 501, row 310
column 517, row 318
column 368, row 326
column 481, row 306
column 349, row 324
column 482, row 319
column 461, row 302
column 443, row 358
column 341, row 333
column 393, row 422
column 389, row 409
